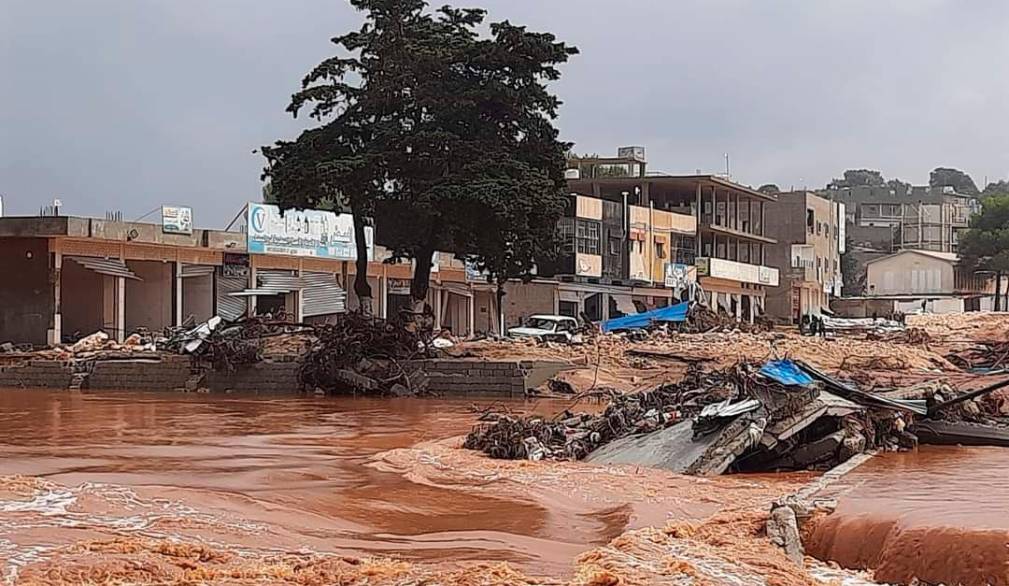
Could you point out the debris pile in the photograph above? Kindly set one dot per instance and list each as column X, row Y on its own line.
column 366, row 355
column 911, row 336
column 745, row 417
column 984, row 356
column 229, row 346
column 700, row 320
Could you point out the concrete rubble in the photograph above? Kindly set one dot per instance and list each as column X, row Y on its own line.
column 748, row 417
column 726, row 412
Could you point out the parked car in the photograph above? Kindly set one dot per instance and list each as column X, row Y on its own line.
column 550, row 328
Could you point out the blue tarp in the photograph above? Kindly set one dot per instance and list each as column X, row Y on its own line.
column 786, row 372
column 673, row 313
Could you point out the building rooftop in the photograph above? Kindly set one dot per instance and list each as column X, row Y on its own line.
column 945, row 256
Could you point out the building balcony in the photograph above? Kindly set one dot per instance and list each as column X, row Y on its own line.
column 730, row 270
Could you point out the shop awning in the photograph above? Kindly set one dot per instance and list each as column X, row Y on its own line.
column 112, row 267
column 197, row 270
column 457, row 288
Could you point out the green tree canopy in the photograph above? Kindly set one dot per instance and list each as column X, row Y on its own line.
column 769, row 188
column 898, row 187
column 857, row 178
column 986, row 244
column 1000, row 187
column 955, row 178
column 444, row 134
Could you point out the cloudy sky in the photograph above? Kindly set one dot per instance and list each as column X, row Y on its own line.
column 128, row 104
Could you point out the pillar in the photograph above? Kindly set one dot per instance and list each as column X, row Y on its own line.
column 55, row 333
column 383, row 291
column 179, row 284
column 437, row 308
column 120, row 309
column 471, row 300
column 299, row 297
column 698, row 214
column 250, row 302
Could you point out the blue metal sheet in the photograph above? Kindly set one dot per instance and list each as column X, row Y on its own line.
column 672, row 313
column 786, row 372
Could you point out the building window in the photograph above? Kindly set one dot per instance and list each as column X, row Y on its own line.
column 614, row 246
column 810, row 221
column 587, row 233
column 660, row 250
column 819, row 228
column 566, row 227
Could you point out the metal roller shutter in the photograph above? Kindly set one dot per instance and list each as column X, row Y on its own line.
column 229, row 307
column 321, row 295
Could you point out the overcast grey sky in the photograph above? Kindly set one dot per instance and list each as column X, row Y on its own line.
column 128, row 104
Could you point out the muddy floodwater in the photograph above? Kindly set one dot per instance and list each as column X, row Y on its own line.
column 285, row 473
column 940, row 514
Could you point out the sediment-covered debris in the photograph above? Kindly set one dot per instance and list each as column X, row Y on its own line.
column 747, row 417
column 982, row 356
column 366, row 355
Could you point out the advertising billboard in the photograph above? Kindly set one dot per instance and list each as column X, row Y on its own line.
column 314, row 233
column 176, row 220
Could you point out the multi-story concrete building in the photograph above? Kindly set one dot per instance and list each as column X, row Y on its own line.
column 881, row 221
column 616, row 257
column 810, row 234
column 729, row 242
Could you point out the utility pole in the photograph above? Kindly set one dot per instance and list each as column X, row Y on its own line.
column 727, row 165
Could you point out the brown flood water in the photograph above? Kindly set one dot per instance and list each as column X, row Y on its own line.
column 940, row 514
column 278, row 474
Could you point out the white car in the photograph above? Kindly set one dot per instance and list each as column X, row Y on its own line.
column 553, row 328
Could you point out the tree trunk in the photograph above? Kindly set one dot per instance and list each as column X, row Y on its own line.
column 998, row 291
column 421, row 284
column 500, row 309
column 361, row 286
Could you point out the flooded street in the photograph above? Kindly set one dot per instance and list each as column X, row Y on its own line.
column 174, row 488
column 940, row 514
column 268, row 473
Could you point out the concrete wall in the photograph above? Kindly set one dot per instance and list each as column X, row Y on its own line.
column 456, row 316
column 484, row 313
column 37, row 374
column 165, row 374
column 909, row 273
column 149, row 301
column 198, row 298
column 82, row 299
column 476, row 375
column 524, row 299
column 26, row 296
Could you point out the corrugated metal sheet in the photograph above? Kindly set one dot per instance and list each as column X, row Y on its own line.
column 272, row 282
column 229, row 307
column 197, row 270
column 105, row 266
column 278, row 281
column 322, row 295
